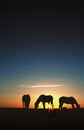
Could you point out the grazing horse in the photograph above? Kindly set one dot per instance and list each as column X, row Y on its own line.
column 26, row 100
column 68, row 100
column 44, row 98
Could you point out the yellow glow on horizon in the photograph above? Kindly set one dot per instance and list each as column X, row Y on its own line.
column 50, row 106
column 14, row 99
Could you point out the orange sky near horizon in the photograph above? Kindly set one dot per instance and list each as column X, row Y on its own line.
column 14, row 99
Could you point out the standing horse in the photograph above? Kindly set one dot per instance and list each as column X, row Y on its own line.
column 26, row 100
column 68, row 100
column 44, row 98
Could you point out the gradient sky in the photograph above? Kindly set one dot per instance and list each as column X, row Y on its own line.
column 41, row 52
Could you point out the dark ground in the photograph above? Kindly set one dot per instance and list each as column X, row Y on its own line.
column 30, row 118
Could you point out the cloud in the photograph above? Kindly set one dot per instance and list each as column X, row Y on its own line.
column 41, row 85
column 48, row 85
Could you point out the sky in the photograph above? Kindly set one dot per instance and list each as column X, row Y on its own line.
column 41, row 52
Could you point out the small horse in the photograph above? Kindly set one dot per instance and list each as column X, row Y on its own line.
column 26, row 100
column 68, row 100
column 44, row 98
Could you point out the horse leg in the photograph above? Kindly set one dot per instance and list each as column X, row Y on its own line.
column 43, row 105
column 60, row 105
column 72, row 106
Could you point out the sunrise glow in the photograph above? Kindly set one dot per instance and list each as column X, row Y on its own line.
column 14, row 99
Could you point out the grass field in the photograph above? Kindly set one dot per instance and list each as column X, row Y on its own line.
column 31, row 118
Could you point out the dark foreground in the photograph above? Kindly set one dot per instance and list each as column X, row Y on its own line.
column 56, row 119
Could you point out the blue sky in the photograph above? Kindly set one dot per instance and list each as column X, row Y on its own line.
column 41, row 45
column 43, row 60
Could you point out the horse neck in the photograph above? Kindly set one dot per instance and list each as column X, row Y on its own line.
column 76, row 103
column 38, row 100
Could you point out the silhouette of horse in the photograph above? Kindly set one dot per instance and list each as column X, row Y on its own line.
column 68, row 100
column 26, row 100
column 44, row 98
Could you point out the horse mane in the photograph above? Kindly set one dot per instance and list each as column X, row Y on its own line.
column 39, row 99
